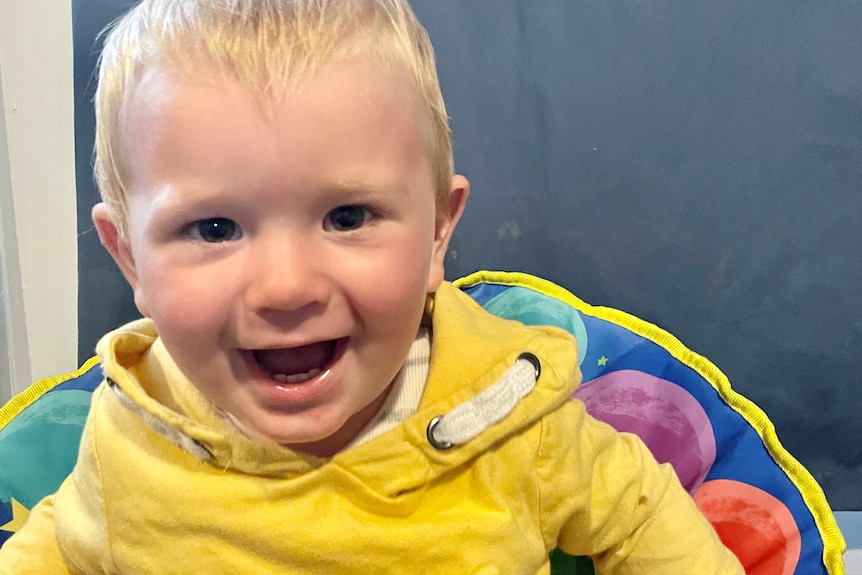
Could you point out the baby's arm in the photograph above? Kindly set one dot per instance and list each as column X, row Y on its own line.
column 34, row 549
column 613, row 502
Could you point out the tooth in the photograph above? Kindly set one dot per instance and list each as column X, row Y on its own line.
column 296, row 377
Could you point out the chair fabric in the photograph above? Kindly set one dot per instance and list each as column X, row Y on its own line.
column 637, row 377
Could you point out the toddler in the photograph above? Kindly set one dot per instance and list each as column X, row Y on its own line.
column 306, row 394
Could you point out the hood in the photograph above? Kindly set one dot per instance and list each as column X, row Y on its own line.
column 471, row 351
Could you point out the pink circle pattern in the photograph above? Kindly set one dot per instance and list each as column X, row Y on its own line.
column 667, row 418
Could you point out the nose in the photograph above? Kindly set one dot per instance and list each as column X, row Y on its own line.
column 285, row 274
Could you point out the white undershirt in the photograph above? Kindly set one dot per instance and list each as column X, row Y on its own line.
column 406, row 391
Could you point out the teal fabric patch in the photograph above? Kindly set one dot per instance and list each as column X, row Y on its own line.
column 40, row 446
column 532, row 308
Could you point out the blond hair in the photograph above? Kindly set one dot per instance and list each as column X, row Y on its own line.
column 269, row 46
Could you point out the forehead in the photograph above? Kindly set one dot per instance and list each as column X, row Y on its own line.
column 348, row 106
column 352, row 73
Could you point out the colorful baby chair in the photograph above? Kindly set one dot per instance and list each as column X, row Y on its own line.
column 764, row 505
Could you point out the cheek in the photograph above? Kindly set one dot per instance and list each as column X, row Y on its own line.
column 395, row 311
column 414, row 255
column 180, row 303
column 402, row 278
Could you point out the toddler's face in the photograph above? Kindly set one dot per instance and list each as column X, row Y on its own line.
column 284, row 249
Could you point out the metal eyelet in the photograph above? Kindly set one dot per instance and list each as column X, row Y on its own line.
column 534, row 360
column 429, row 433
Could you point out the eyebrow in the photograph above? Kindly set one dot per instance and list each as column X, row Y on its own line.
column 367, row 187
column 171, row 198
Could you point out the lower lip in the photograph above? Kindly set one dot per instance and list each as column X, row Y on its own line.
column 295, row 395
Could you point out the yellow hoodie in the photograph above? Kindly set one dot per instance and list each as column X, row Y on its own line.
column 164, row 485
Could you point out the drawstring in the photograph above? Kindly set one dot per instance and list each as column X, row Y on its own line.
column 175, row 436
column 472, row 417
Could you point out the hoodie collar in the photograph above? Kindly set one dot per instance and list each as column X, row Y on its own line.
column 471, row 350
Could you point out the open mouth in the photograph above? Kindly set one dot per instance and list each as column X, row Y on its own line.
column 297, row 364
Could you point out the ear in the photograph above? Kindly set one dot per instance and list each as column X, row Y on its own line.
column 119, row 249
column 447, row 218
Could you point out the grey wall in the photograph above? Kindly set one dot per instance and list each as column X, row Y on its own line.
column 5, row 371
column 5, row 374
column 695, row 163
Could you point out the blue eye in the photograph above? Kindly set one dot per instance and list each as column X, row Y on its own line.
column 347, row 218
column 216, row 230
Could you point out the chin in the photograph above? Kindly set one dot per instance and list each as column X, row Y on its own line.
column 311, row 441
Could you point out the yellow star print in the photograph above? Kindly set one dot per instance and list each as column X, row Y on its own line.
column 19, row 517
column 603, row 361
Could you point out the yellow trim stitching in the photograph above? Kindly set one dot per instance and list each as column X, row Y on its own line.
column 36, row 390
column 812, row 494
